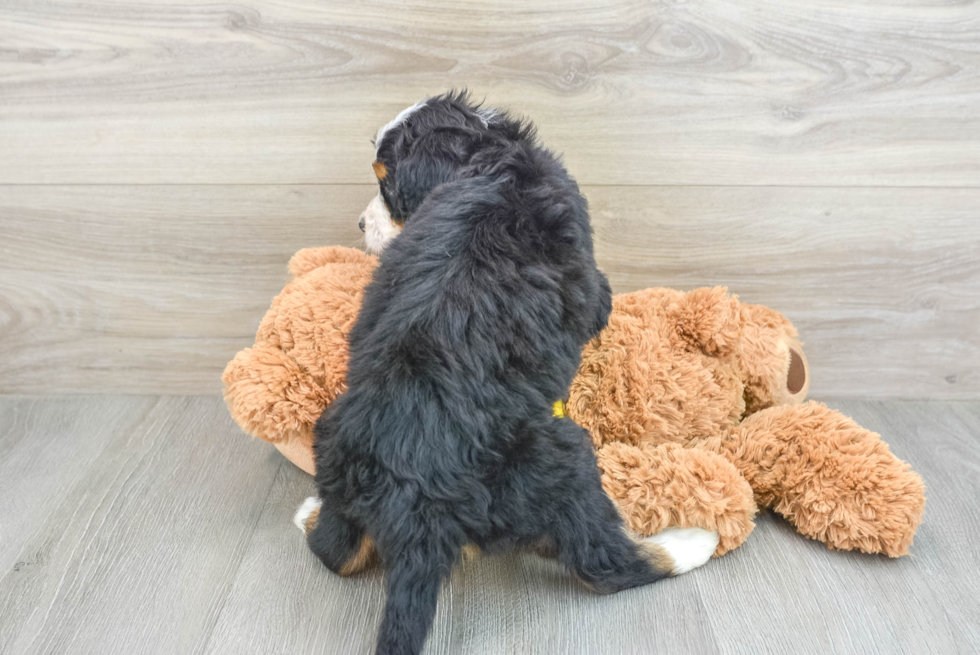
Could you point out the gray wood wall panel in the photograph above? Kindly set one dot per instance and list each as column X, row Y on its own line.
column 820, row 158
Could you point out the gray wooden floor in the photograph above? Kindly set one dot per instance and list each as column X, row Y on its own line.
column 151, row 525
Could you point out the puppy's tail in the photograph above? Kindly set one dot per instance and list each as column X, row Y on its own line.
column 413, row 589
column 673, row 551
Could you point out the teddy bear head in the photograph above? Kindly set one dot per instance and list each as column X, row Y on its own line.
column 277, row 388
column 758, row 344
column 771, row 359
column 672, row 366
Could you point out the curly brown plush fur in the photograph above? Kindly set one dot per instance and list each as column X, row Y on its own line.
column 831, row 478
column 685, row 368
column 278, row 388
column 671, row 486
column 695, row 403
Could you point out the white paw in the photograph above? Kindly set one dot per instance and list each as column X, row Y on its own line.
column 689, row 547
column 304, row 511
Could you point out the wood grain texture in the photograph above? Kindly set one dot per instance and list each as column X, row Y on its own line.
column 40, row 459
column 285, row 601
column 131, row 289
column 758, row 92
column 161, row 529
column 149, row 288
column 883, row 284
column 131, row 545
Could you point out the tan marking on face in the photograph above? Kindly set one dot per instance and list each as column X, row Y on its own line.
column 365, row 557
column 380, row 170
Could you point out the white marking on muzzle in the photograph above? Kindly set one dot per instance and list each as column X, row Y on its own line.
column 379, row 229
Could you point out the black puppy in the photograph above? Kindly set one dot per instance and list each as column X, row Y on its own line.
column 469, row 332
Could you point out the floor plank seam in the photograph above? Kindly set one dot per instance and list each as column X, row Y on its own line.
column 234, row 574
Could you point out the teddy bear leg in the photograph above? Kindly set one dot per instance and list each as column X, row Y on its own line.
column 662, row 489
column 834, row 480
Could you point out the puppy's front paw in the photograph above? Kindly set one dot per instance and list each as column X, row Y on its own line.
column 307, row 514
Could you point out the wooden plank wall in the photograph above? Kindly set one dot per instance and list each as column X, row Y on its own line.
column 159, row 164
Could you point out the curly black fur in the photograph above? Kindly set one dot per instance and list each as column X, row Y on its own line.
column 469, row 332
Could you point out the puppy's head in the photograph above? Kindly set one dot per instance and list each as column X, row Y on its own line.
column 425, row 145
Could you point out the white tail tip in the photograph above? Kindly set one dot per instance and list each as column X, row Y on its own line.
column 688, row 547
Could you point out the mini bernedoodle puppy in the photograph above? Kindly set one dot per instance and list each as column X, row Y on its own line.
column 468, row 334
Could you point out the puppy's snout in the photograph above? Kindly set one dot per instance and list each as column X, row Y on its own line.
column 377, row 225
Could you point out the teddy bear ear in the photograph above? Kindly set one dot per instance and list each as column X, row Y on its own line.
column 309, row 259
column 709, row 319
column 798, row 375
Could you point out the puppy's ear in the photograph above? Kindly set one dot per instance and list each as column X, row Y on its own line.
column 419, row 173
column 603, row 306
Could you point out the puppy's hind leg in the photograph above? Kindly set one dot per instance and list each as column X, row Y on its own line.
column 307, row 514
column 598, row 550
column 339, row 544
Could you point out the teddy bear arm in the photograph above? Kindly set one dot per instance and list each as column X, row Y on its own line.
column 834, row 480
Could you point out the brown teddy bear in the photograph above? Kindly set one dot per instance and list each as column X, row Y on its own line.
column 694, row 402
